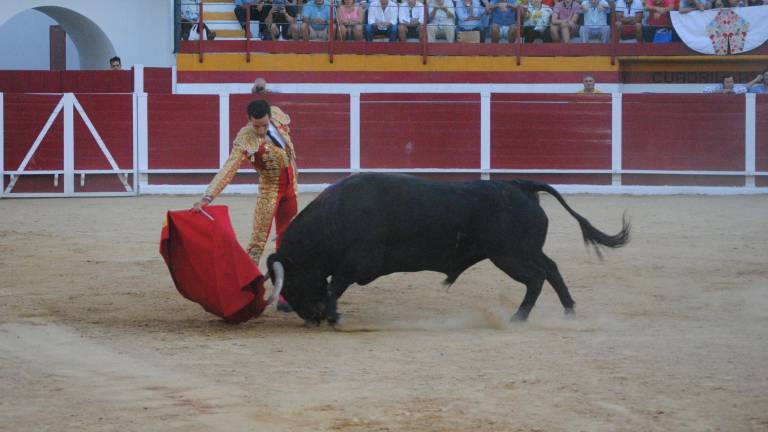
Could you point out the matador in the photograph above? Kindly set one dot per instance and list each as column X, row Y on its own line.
column 266, row 143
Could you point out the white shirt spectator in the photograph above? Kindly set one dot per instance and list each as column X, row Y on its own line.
column 377, row 14
column 407, row 13
column 634, row 7
column 596, row 16
column 717, row 88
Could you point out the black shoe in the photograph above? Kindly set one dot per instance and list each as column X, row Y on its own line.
column 284, row 307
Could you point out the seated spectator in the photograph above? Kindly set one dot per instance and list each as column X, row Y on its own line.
column 629, row 17
column 411, row 18
column 441, row 20
column 589, row 85
column 471, row 14
column 350, row 17
column 382, row 19
column 565, row 20
column 658, row 18
column 280, row 19
column 536, row 24
column 315, row 16
column 190, row 13
column 694, row 5
column 759, row 84
column 718, row 4
column 726, row 87
column 259, row 12
column 115, row 63
column 503, row 21
column 595, row 21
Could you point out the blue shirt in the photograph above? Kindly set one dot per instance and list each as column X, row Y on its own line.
column 757, row 88
column 243, row 2
column 507, row 18
column 477, row 10
column 312, row 11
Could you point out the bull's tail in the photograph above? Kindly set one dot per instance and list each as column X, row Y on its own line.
column 592, row 236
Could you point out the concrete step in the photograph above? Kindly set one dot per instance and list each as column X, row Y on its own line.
column 219, row 7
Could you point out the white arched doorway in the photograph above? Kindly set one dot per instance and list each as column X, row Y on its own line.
column 139, row 33
column 93, row 45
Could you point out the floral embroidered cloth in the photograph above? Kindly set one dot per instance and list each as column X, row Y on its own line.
column 723, row 31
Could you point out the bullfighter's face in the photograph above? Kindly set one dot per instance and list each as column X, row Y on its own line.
column 260, row 125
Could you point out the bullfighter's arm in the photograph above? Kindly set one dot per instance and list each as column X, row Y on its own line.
column 227, row 172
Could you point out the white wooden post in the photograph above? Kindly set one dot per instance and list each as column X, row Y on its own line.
column 485, row 135
column 354, row 131
column 750, row 139
column 138, row 78
column 2, row 146
column 223, row 128
column 616, row 113
column 69, row 144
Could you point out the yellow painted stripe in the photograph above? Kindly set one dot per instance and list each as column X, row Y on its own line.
column 219, row 16
column 230, row 34
column 228, row 62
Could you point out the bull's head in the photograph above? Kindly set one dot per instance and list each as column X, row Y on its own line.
column 306, row 292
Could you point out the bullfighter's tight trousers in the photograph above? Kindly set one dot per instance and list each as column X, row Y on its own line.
column 276, row 200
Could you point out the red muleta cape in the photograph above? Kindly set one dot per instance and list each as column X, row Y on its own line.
column 208, row 265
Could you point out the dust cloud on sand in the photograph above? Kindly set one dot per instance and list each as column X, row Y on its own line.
column 670, row 332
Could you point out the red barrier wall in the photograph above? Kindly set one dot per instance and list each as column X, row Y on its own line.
column 761, row 138
column 183, row 131
column 112, row 117
column 157, row 80
column 24, row 116
column 551, row 131
column 319, row 126
column 30, row 81
column 420, row 131
column 683, row 132
column 105, row 81
column 97, row 81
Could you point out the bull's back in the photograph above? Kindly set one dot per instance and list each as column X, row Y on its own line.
column 405, row 223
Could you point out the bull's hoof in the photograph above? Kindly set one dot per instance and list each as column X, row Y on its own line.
column 334, row 319
column 311, row 324
column 335, row 323
column 519, row 317
column 570, row 312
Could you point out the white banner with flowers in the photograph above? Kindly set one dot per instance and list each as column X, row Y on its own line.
column 723, row 31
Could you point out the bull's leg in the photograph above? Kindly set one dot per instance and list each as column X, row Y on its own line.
column 527, row 273
column 556, row 280
column 335, row 289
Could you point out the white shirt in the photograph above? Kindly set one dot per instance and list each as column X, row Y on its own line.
column 407, row 13
column 275, row 133
column 717, row 88
column 631, row 10
column 389, row 14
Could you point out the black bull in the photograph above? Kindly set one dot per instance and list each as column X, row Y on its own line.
column 370, row 225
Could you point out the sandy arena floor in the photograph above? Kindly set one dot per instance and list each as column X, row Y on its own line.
column 670, row 333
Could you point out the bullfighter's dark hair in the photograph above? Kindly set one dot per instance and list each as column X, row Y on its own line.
column 258, row 109
column 114, row 59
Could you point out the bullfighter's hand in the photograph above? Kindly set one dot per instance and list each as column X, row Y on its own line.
column 198, row 206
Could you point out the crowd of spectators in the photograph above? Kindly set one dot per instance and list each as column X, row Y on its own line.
column 583, row 21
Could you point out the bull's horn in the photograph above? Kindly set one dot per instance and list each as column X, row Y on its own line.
column 279, row 277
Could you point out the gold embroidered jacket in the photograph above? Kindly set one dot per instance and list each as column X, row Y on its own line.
column 267, row 158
